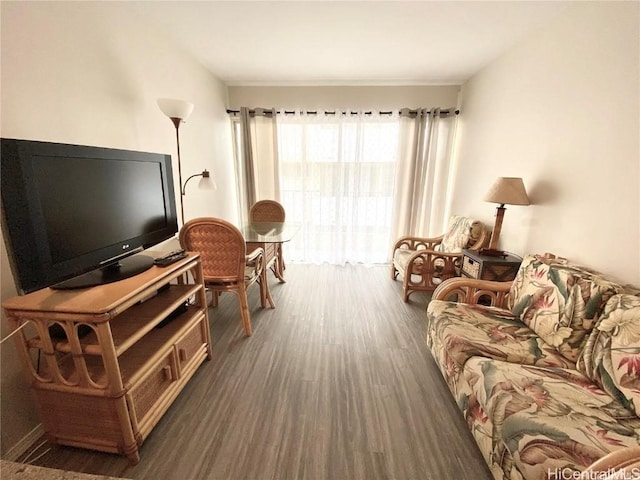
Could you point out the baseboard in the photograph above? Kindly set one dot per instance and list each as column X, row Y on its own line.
column 20, row 448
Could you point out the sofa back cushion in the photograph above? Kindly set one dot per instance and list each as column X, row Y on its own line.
column 462, row 232
column 559, row 301
column 611, row 356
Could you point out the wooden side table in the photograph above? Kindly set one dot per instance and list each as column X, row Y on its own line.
column 483, row 267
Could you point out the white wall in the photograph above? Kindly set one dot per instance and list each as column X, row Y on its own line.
column 351, row 97
column 562, row 111
column 90, row 73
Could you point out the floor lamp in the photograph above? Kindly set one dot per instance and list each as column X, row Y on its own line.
column 178, row 111
column 505, row 191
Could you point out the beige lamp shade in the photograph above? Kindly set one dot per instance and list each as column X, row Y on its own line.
column 173, row 108
column 509, row 191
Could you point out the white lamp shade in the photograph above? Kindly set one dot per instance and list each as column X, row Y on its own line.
column 508, row 190
column 207, row 184
column 173, row 108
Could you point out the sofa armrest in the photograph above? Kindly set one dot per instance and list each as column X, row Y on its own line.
column 470, row 290
column 623, row 463
column 414, row 243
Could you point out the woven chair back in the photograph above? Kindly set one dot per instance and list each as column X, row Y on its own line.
column 221, row 247
column 267, row 211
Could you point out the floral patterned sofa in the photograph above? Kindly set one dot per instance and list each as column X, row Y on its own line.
column 547, row 374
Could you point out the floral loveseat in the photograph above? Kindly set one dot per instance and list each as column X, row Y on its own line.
column 548, row 374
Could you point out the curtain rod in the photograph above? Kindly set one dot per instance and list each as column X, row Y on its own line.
column 445, row 111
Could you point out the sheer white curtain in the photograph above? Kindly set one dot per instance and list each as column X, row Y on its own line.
column 424, row 173
column 337, row 181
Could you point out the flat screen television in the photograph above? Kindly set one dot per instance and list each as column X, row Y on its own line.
column 77, row 216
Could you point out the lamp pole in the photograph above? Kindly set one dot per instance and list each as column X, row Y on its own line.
column 497, row 228
column 176, row 121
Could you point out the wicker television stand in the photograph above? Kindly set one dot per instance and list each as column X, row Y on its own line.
column 103, row 363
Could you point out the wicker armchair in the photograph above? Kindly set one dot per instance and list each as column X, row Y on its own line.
column 225, row 265
column 269, row 211
column 424, row 263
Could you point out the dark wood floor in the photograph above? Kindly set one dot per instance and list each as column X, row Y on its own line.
column 336, row 383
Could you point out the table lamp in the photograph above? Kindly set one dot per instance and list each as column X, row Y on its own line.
column 504, row 191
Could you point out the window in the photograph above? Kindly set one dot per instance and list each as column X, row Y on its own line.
column 336, row 180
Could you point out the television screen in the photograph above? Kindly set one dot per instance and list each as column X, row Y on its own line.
column 72, row 209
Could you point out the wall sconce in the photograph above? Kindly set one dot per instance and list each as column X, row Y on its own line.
column 177, row 111
column 505, row 191
column 205, row 175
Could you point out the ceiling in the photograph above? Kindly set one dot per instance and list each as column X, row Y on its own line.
column 346, row 42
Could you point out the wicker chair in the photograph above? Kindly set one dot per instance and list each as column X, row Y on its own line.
column 269, row 211
column 225, row 265
column 424, row 263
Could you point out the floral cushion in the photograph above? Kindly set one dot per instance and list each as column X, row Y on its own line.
column 458, row 331
column 462, row 232
column 559, row 302
column 530, row 421
column 611, row 357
